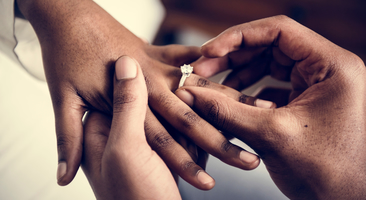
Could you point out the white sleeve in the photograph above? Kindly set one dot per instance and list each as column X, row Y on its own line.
column 7, row 20
column 19, row 42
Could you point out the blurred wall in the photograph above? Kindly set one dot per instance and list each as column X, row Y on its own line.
column 342, row 22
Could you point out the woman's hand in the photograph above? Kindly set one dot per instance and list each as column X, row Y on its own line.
column 118, row 161
column 80, row 43
column 314, row 147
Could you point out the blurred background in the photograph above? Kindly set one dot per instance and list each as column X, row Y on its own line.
column 342, row 22
column 27, row 140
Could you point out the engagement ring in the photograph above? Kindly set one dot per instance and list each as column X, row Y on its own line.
column 186, row 72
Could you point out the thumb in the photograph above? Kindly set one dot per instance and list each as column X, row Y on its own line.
column 129, row 104
column 69, row 133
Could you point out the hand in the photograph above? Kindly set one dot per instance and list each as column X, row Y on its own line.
column 313, row 148
column 80, row 44
column 118, row 161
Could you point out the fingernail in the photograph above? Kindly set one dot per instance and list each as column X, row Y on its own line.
column 126, row 68
column 185, row 96
column 247, row 157
column 61, row 170
column 208, row 42
column 264, row 104
column 204, row 178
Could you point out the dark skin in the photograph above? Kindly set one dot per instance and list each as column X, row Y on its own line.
column 80, row 43
column 124, row 166
column 314, row 147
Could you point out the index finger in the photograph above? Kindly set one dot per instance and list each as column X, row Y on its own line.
column 253, row 125
column 280, row 31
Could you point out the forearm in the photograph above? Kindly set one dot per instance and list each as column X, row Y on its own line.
column 79, row 38
column 79, row 23
column 55, row 16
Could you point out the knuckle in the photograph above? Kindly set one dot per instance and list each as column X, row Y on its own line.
column 122, row 100
column 215, row 114
column 225, row 146
column 165, row 101
column 190, row 119
column 356, row 60
column 206, row 49
column 247, row 99
column 282, row 17
column 161, row 141
column 64, row 142
column 243, row 98
column 189, row 164
column 202, row 82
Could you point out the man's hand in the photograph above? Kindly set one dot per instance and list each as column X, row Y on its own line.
column 313, row 148
column 118, row 161
column 80, row 43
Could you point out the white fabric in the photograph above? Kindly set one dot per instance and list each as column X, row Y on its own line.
column 7, row 40
column 28, row 157
column 28, row 153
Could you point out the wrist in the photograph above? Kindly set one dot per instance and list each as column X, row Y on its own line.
column 50, row 17
column 79, row 26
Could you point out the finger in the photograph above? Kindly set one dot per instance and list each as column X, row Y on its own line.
column 176, row 55
column 190, row 147
column 280, row 31
column 281, row 58
column 280, row 72
column 298, row 84
column 241, row 78
column 280, row 96
column 174, row 155
column 182, row 118
column 281, row 65
column 96, row 131
column 247, row 55
column 192, row 80
column 208, row 67
column 69, row 133
column 195, row 80
column 308, row 49
column 250, row 124
column 129, row 105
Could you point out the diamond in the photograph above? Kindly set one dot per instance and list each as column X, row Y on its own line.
column 186, row 70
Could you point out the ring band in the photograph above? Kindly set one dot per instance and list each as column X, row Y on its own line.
column 186, row 72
